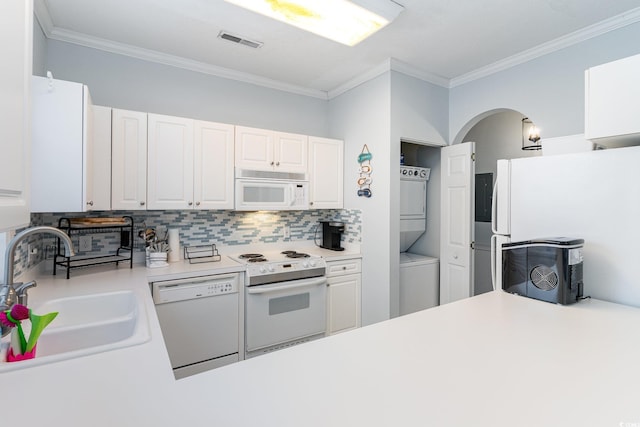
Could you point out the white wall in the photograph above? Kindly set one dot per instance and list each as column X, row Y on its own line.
column 419, row 112
column 549, row 89
column 129, row 83
column 361, row 116
column 39, row 50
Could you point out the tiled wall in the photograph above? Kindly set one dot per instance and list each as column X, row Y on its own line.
column 224, row 228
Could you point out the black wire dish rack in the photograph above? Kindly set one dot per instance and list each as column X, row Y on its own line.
column 83, row 226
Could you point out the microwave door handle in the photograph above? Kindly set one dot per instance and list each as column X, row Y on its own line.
column 265, row 289
column 292, row 194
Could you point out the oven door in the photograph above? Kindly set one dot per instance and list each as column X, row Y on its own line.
column 285, row 311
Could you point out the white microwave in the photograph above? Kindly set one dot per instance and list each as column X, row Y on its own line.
column 271, row 191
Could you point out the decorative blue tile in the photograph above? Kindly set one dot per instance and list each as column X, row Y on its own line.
column 226, row 228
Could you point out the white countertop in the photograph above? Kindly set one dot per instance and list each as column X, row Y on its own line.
column 492, row 360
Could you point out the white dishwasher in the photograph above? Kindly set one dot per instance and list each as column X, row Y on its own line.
column 199, row 321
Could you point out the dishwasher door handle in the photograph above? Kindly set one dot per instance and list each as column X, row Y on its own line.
column 265, row 289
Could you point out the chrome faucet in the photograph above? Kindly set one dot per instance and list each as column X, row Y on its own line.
column 12, row 293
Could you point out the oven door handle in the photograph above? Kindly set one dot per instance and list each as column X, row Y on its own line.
column 265, row 289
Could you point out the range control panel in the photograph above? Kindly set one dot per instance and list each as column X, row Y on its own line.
column 180, row 290
column 414, row 173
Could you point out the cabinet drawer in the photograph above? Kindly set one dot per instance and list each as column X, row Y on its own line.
column 340, row 268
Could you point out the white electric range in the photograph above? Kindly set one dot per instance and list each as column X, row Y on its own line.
column 285, row 299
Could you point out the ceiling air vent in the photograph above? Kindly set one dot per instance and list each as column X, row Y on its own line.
column 240, row 40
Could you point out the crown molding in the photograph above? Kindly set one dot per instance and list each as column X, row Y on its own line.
column 630, row 17
column 412, row 71
column 362, row 78
column 43, row 16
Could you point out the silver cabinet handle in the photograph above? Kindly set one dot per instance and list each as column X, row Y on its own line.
column 271, row 163
column 141, row 203
column 190, row 203
column 277, row 163
column 197, row 203
column 90, row 203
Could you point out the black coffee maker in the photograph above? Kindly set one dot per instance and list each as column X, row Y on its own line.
column 332, row 234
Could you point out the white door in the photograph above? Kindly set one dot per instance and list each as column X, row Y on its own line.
column 213, row 165
column 326, row 167
column 170, row 163
column 128, row 160
column 254, row 149
column 456, row 232
column 101, row 169
column 290, row 152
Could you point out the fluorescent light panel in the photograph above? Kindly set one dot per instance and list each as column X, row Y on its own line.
column 340, row 20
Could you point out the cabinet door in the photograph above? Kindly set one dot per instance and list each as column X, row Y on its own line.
column 611, row 106
column 213, row 165
column 326, row 166
column 343, row 303
column 101, row 168
column 16, row 45
column 254, row 148
column 129, row 160
column 59, row 146
column 170, row 163
column 290, row 152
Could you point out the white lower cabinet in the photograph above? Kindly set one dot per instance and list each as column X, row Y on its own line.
column 344, row 283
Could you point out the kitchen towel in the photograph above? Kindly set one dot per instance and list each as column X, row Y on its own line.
column 174, row 244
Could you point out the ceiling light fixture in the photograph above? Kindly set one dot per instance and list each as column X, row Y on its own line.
column 346, row 22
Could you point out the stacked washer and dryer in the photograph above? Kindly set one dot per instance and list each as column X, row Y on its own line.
column 419, row 274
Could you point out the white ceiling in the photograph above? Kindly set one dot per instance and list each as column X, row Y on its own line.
column 446, row 42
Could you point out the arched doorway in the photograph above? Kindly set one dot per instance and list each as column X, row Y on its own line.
column 497, row 135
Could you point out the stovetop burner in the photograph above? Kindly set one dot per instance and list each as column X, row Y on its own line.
column 253, row 257
column 294, row 254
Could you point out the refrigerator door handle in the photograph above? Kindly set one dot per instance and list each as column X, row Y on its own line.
column 494, row 240
column 494, row 209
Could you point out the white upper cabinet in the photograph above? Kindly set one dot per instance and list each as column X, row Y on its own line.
column 170, row 162
column 266, row 150
column 213, row 165
column 16, row 46
column 190, row 164
column 612, row 92
column 128, row 160
column 101, row 158
column 326, row 173
column 62, row 144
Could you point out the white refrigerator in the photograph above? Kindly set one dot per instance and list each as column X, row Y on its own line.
column 593, row 195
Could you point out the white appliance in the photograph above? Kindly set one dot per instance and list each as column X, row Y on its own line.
column 413, row 204
column 419, row 282
column 199, row 318
column 285, row 300
column 263, row 190
column 594, row 195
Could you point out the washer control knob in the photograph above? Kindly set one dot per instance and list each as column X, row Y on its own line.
column 262, row 269
column 305, row 264
column 312, row 263
column 270, row 268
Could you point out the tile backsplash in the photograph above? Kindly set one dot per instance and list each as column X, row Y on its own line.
column 224, row 228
